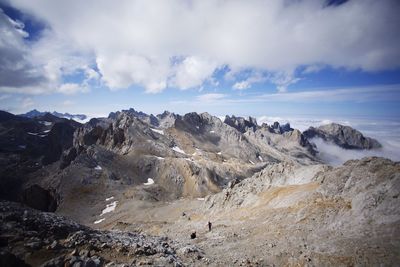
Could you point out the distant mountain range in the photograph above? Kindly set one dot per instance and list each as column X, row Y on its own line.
column 35, row 113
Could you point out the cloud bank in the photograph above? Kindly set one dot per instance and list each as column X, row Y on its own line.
column 181, row 44
column 335, row 155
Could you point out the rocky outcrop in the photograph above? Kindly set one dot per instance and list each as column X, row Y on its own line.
column 343, row 136
column 149, row 119
column 167, row 119
column 46, row 239
column 277, row 128
column 241, row 124
column 67, row 157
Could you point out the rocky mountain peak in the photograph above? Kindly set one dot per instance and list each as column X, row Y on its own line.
column 343, row 136
column 241, row 124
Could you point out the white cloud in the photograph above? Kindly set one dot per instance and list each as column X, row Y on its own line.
column 254, row 77
column 349, row 94
column 241, row 85
column 192, row 72
column 211, row 97
column 335, row 155
column 27, row 102
column 135, row 42
column 282, row 80
column 16, row 70
column 122, row 70
column 354, row 94
column 71, row 88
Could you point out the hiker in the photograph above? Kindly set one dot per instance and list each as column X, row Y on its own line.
column 209, row 226
column 193, row 235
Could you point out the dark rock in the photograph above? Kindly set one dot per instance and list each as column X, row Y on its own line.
column 193, row 235
column 8, row 259
column 59, row 139
column 277, row 128
column 40, row 198
column 67, row 157
column 49, row 226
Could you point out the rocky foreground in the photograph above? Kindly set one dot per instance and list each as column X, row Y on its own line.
column 32, row 238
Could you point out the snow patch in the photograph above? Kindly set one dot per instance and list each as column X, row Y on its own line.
column 157, row 131
column 219, row 153
column 160, row 158
column 251, row 162
column 109, row 208
column 212, row 131
column 98, row 168
column 37, row 134
column 177, row 149
column 110, row 198
column 45, row 123
column 99, row 221
column 260, row 158
column 150, row 181
column 200, row 198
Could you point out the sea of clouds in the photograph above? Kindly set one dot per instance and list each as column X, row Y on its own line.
column 385, row 130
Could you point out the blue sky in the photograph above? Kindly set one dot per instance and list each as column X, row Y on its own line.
column 276, row 58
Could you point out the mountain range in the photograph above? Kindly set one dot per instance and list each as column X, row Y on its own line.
column 134, row 188
column 35, row 113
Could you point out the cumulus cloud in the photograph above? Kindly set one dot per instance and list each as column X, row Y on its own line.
column 38, row 67
column 192, row 72
column 137, row 42
column 16, row 70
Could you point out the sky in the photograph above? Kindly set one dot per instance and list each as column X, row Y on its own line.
column 289, row 58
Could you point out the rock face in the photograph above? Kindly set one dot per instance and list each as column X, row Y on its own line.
column 27, row 144
column 67, row 243
column 279, row 129
column 343, row 136
column 241, row 124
